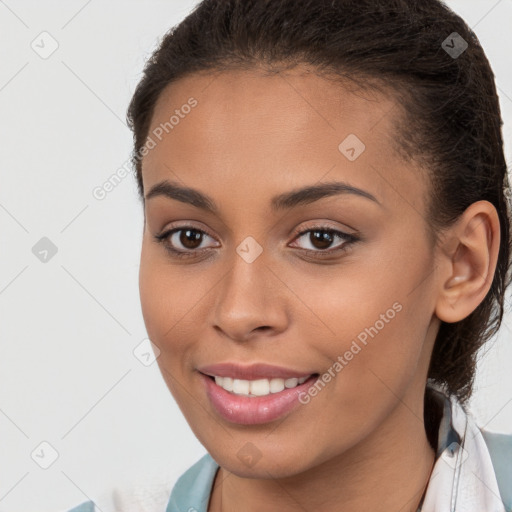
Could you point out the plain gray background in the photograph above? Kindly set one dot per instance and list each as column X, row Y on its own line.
column 69, row 325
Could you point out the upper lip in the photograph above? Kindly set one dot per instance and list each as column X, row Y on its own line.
column 251, row 372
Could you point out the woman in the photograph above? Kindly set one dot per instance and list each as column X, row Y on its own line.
column 326, row 247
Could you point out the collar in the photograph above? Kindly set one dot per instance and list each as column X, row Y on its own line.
column 463, row 478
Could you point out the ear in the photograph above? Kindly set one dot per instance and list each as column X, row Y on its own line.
column 467, row 260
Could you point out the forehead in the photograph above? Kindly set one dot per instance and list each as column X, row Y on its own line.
column 286, row 129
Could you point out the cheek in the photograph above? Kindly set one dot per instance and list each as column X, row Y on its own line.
column 376, row 330
column 173, row 297
column 159, row 288
column 164, row 301
column 164, row 308
column 154, row 295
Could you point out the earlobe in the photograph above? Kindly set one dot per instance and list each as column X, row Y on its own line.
column 468, row 262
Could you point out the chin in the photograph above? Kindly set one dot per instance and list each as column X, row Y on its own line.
column 249, row 462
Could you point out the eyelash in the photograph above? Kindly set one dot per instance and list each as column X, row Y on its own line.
column 348, row 238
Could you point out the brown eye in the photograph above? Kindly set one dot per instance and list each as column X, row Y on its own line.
column 184, row 241
column 189, row 238
column 320, row 240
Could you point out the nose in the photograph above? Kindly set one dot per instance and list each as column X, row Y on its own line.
column 250, row 299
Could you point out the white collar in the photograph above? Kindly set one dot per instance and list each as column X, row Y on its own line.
column 463, row 478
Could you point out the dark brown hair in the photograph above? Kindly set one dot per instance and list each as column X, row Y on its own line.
column 450, row 118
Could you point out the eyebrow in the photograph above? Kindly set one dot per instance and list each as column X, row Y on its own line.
column 287, row 200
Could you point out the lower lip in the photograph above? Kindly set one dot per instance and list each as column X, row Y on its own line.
column 246, row 410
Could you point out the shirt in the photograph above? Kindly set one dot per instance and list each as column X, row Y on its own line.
column 472, row 473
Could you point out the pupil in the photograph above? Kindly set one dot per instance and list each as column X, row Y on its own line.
column 325, row 239
column 189, row 237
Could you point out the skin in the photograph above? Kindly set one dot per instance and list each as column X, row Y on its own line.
column 360, row 444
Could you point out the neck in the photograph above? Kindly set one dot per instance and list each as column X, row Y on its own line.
column 387, row 471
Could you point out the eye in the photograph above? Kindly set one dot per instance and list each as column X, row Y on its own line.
column 186, row 241
column 321, row 238
column 183, row 241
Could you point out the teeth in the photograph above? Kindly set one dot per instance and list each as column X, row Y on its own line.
column 276, row 385
column 260, row 387
column 227, row 383
column 241, row 387
column 291, row 383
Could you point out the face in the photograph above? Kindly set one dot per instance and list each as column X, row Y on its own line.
column 334, row 284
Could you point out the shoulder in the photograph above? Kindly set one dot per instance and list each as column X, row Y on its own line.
column 87, row 506
column 190, row 492
column 500, row 450
column 192, row 489
column 135, row 498
column 144, row 494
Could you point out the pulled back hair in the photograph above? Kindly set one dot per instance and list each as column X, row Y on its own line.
column 450, row 119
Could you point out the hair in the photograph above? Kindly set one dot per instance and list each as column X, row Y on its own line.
column 450, row 119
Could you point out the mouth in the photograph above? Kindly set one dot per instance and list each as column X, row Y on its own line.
column 258, row 401
column 258, row 387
